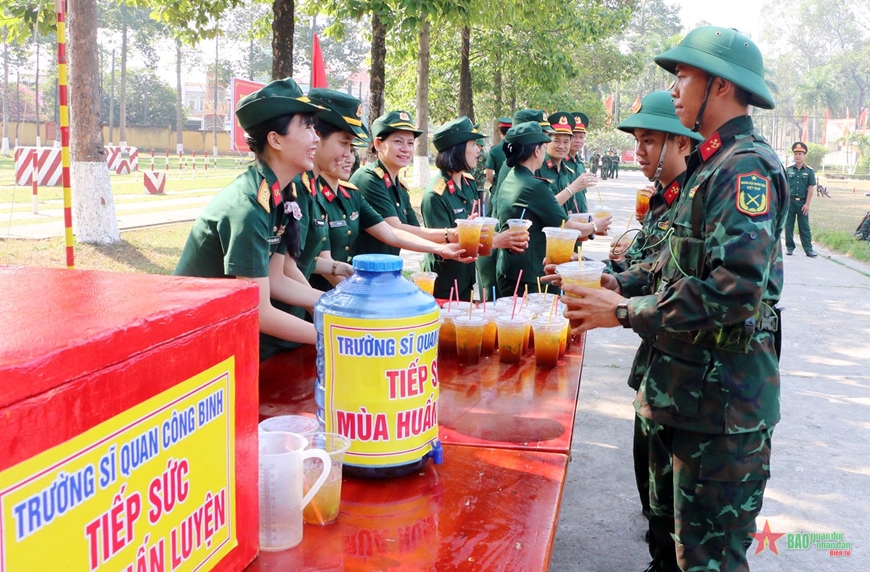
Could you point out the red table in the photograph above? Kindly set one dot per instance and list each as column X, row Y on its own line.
column 483, row 508
column 510, row 406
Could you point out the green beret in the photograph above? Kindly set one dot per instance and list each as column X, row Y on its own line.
column 725, row 53
column 455, row 132
column 280, row 97
column 562, row 123
column 581, row 122
column 528, row 133
column 394, row 121
column 657, row 113
column 536, row 115
column 800, row 146
column 342, row 110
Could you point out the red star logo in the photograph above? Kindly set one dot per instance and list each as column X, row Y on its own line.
column 766, row 538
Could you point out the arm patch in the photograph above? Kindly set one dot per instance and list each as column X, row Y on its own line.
column 753, row 194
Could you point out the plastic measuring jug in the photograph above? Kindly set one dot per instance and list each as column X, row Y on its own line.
column 281, row 457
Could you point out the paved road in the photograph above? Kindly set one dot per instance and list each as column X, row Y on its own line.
column 821, row 449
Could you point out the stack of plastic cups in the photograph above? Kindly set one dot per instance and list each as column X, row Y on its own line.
column 548, row 340
column 489, row 332
column 489, row 223
column 511, row 336
column 447, row 332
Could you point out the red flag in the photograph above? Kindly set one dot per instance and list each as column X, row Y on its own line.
column 608, row 108
column 318, row 68
column 635, row 107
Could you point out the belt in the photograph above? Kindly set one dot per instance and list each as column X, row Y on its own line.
column 798, row 199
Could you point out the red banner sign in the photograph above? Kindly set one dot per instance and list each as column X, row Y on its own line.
column 241, row 88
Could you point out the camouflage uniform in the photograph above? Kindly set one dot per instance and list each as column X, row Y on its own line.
column 710, row 386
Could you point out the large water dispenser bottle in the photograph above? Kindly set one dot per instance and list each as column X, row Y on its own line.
column 377, row 371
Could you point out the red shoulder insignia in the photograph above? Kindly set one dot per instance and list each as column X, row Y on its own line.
column 672, row 193
column 327, row 193
column 753, row 194
column 549, row 163
column 277, row 197
column 710, row 146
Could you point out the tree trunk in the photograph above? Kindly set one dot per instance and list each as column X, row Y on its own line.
column 421, row 144
column 4, row 147
column 36, row 92
column 283, row 26
column 466, row 97
column 377, row 74
column 93, row 203
column 112, row 102
column 179, row 103
column 122, row 120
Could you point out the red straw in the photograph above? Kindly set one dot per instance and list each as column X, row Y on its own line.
column 516, row 289
column 456, row 285
column 450, row 299
column 484, row 301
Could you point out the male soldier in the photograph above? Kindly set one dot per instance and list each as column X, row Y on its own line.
column 578, row 140
column 595, row 160
column 802, row 187
column 495, row 159
column 605, row 165
column 556, row 167
column 710, row 392
column 614, row 165
column 662, row 145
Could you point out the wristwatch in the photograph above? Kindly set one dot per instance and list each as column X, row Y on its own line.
column 622, row 314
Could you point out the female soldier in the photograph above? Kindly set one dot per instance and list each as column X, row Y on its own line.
column 451, row 196
column 239, row 233
column 394, row 135
column 347, row 212
column 522, row 192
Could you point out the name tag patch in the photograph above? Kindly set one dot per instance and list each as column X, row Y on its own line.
column 337, row 223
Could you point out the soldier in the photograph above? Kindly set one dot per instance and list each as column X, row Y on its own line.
column 710, row 392
column 596, row 161
column 521, row 116
column 662, row 145
column 802, row 187
column 614, row 165
column 557, row 167
column 495, row 159
column 605, row 165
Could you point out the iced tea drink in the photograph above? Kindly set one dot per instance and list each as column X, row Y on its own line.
column 511, row 332
column 324, row 505
column 560, row 243
column 425, row 281
column 518, row 225
column 447, row 331
column 586, row 273
column 548, row 340
column 641, row 205
column 600, row 212
column 489, row 224
column 469, row 337
column 469, row 235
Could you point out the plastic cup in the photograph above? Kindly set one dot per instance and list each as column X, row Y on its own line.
column 489, row 223
column 324, row 505
column 586, row 273
column 469, row 235
column 548, row 341
column 447, row 331
column 580, row 217
column 601, row 211
column 641, row 205
column 518, row 225
column 425, row 281
column 469, row 337
column 280, row 497
column 299, row 424
column 511, row 334
column 542, row 300
column 487, row 344
column 560, row 243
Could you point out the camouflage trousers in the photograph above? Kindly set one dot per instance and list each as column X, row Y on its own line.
column 705, row 492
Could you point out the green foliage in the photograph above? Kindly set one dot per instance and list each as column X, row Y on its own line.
column 190, row 20
column 608, row 138
column 23, row 18
column 815, row 155
column 150, row 101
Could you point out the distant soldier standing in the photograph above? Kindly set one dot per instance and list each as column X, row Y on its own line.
column 802, row 187
column 605, row 165
column 596, row 161
column 710, row 393
column 614, row 165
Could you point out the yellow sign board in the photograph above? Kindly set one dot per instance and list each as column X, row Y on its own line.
column 150, row 489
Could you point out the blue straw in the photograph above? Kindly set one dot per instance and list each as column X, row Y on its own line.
column 493, row 295
column 523, row 215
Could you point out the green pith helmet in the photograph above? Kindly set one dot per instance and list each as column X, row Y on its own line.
column 342, row 110
column 725, row 53
column 657, row 113
column 393, row 121
column 527, row 133
column 280, row 97
column 799, row 147
column 562, row 123
column 536, row 115
column 581, row 122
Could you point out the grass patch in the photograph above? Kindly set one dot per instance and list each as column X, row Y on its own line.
column 834, row 220
column 153, row 250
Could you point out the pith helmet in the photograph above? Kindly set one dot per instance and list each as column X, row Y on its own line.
column 657, row 113
column 725, row 53
column 800, row 146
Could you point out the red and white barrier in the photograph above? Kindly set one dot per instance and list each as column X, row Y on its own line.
column 155, row 182
column 115, row 156
column 48, row 168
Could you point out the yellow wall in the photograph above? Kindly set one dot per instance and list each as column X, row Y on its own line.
column 145, row 138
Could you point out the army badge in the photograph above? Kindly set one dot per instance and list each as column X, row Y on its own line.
column 753, row 194
column 563, row 120
column 359, row 110
column 544, row 113
column 404, row 116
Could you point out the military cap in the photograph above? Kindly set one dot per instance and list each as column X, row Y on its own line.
column 536, row 115
column 657, row 113
column 724, row 53
column 562, row 123
column 505, row 122
column 799, row 147
column 394, row 121
column 581, row 122
column 280, row 97
column 528, row 133
column 455, row 132
column 342, row 110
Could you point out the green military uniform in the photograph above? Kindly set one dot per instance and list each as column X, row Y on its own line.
column 799, row 182
column 605, row 165
column 596, row 161
column 710, row 391
column 521, row 116
column 388, row 197
column 559, row 172
column 445, row 202
column 251, row 219
column 349, row 215
column 495, row 159
column 614, row 166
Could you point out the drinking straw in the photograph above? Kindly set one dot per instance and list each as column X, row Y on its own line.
column 526, row 296
column 493, row 294
column 523, row 214
column 629, row 223
column 552, row 309
column 580, row 255
column 483, row 295
column 483, row 209
column 516, row 289
column 450, row 299
column 539, row 284
column 470, row 308
column 562, row 226
column 576, row 208
column 456, row 285
column 600, row 200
